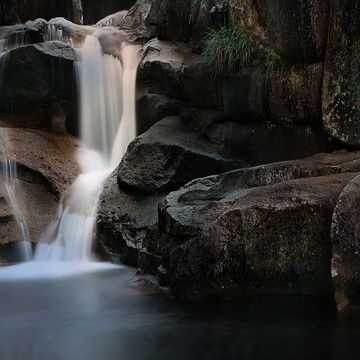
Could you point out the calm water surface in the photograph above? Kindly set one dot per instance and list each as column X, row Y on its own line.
column 105, row 315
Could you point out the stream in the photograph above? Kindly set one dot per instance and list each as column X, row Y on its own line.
column 107, row 315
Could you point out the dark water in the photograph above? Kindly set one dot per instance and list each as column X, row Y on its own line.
column 105, row 315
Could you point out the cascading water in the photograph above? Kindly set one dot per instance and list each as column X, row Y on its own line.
column 9, row 170
column 107, row 124
column 53, row 33
column 107, row 94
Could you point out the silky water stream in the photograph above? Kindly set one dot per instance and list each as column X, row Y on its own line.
column 58, row 305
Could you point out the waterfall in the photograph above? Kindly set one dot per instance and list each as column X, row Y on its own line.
column 9, row 170
column 53, row 33
column 3, row 60
column 107, row 103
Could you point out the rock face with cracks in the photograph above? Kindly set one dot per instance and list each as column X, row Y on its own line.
column 169, row 155
column 46, row 167
column 345, row 236
column 127, row 223
column 262, row 231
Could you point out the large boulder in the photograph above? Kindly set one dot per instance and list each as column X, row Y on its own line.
column 37, row 84
column 26, row 211
column 345, row 235
column 127, row 223
column 142, row 20
column 261, row 143
column 44, row 166
column 295, row 95
column 168, row 156
column 152, row 107
column 175, row 20
column 341, row 104
column 297, row 30
column 51, row 155
column 257, row 231
column 183, row 74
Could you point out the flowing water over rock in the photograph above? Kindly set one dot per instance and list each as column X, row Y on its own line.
column 107, row 124
column 9, row 169
column 104, row 117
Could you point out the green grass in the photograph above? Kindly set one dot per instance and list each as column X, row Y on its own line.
column 272, row 61
column 229, row 48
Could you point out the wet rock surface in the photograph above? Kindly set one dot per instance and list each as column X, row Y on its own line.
column 259, row 231
column 127, row 223
column 50, row 155
column 178, row 70
column 340, row 98
column 169, row 155
column 345, row 238
column 297, row 30
column 262, row 143
column 37, row 84
column 45, row 168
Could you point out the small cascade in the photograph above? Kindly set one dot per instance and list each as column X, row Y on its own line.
column 107, row 111
column 9, row 170
column 52, row 33
column 3, row 59
column 100, row 91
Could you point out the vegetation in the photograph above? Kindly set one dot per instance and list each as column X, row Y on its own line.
column 272, row 62
column 229, row 48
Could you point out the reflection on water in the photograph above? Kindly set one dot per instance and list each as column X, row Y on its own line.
column 104, row 315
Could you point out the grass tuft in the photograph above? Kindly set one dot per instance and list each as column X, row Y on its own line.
column 229, row 48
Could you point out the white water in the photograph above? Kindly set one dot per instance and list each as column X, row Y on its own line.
column 3, row 61
column 53, row 33
column 107, row 117
column 107, row 102
column 9, row 170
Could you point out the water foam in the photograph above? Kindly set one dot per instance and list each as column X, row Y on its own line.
column 107, row 108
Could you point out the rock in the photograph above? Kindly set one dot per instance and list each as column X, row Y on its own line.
column 152, row 107
column 20, row 11
column 113, row 19
column 37, row 84
column 188, row 21
column 46, row 167
column 205, row 14
column 24, row 35
column 36, row 202
column 341, row 88
column 297, row 31
column 295, row 95
column 95, row 10
column 261, row 231
column 169, row 155
column 183, row 75
column 174, row 20
column 345, row 236
column 183, row 21
column 247, row 12
column 127, row 223
column 266, row 143
column 50, row 155
column 77, row 12
column 149, row 262
column 142, row 20
column 288, row 96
